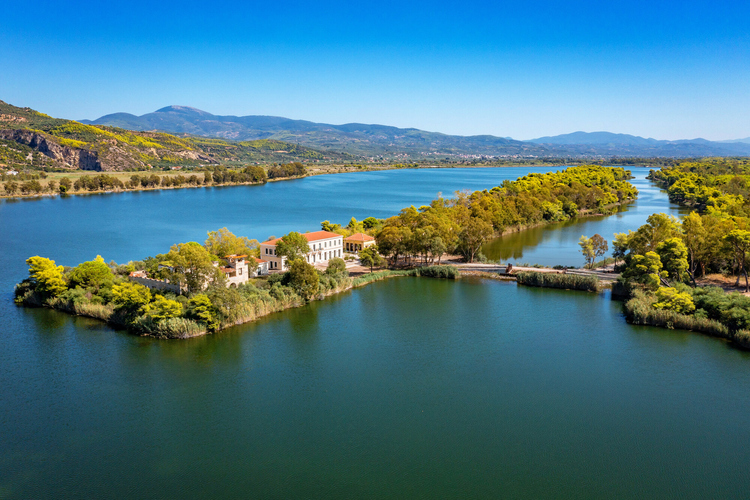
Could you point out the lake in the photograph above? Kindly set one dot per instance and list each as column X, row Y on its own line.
column 406, row 388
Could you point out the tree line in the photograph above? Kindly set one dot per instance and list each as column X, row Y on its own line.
column 463, row 224
column 663, row 259
column 217, row 176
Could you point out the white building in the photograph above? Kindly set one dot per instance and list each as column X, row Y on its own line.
column 324, row 246
column 237, row 272
column 262, row 268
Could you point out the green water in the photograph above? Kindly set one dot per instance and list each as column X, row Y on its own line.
column 406, row 388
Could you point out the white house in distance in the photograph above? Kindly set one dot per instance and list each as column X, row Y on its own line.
column 324, row 246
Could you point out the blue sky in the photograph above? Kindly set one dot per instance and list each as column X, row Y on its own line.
column 662, row 69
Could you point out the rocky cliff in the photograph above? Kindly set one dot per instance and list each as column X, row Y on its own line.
column 65, row 156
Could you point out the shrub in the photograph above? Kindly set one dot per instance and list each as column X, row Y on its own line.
column 639, row 310
column 170, row 328
column 446, row 272
column 671, row 299
column 557, row 280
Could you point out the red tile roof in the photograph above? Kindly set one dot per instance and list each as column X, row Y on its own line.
column 360, row 237
column 259, row 260
column 314, row 236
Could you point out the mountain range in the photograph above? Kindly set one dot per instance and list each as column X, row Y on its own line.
column 365, row 140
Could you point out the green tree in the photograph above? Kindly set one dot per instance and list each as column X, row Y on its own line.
column 162, row 308
column 673, row 300
column 472, row 237
column 587, row 249
column 370, row 223
column 619, row 246
column 695, row 242
column 740, row 242
column 673, row 255
column 336, row 266
column 46, row 276
column 202, row 310
column 304, row 279
column 222, row 243
column 92, row 274
column 292, row 246
column 65, row 185
column 131, row 297
column 11, row 187
column 193, row 265
column 370, row 257
column 645, row 269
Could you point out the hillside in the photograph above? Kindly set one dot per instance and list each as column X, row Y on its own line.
column 353, row 138
column 31, row 138
column 376, row 141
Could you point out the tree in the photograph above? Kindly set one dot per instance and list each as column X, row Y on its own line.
column 600, row 246
column 593, row 247
column 292, row 246
column 11, row 187
column 389, row 240
column 370, row 257
column 645, row 269
column 436, row 247
column 673, row 255
column 587, row 249
column 740, row 242
column 370, row 223
column 673, row 300
column 336, row 266
column 202, row 310
column 131, row 297
column 619, row 247
column 94, row 273
column 193, row 265
column 304, row 279
column 222, row 243
column 162, row 308
column 46, row 276
column 695, row 241
column 473, row 236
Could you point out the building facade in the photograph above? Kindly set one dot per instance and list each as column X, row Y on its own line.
column 324, row 246
column 237, row 271
column 357, row 242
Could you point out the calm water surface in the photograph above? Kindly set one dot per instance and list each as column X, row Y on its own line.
column 408, row 388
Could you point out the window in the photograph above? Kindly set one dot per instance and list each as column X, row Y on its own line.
column 240, row 270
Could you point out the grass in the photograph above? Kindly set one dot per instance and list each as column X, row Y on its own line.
column 557, row 280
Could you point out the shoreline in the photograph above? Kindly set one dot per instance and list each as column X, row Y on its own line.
column 35, row 301
column 332, row 171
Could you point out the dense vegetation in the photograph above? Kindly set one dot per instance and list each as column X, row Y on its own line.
column 463, row 224
column 212, row 176
column 665, row 255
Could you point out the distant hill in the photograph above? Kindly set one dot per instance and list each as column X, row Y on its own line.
column 609, row 144
column 30, row 138
column 354, row 138
column 391, row 142
column 590, row 138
